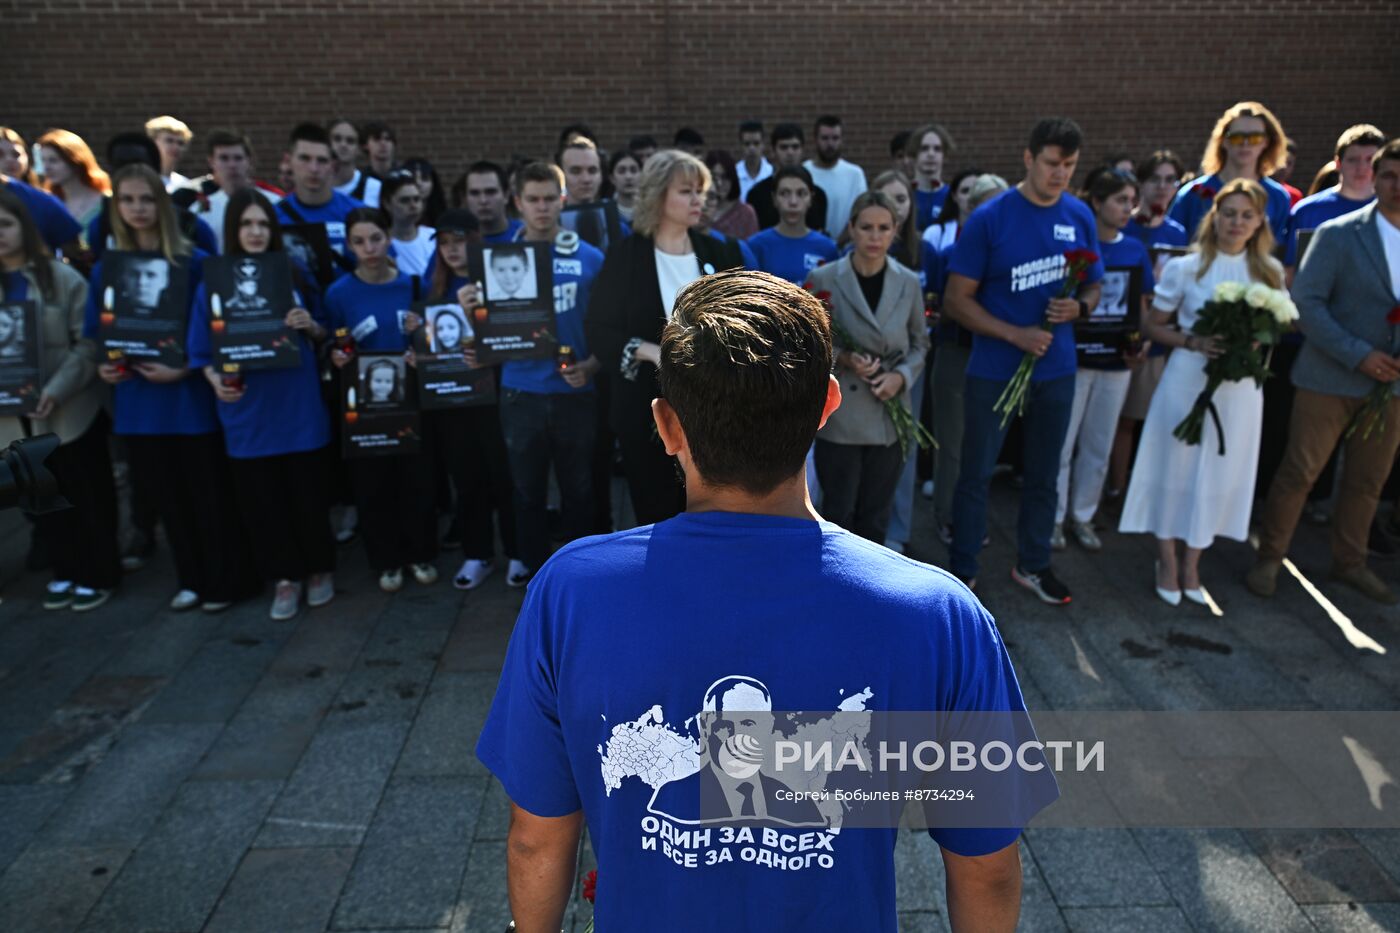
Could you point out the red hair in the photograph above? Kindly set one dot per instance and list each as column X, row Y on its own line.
column 71, row 149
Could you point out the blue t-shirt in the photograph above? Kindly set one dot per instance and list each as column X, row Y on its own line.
column 750, row 261
column 1015, row 251
column 373, row 313
column 281, row 411
column 508, row 235
column 1315, row 210
column 594, row 691
column 332, row 214
column 1168, row 233
column 1195, row 197
column 14, row 286
column 927, row 204
column 1122, row 252
column 573, row 279
column 141, row 407
column 790, row 258
column 52, row 219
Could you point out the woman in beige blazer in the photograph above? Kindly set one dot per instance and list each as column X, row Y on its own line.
column 81, row 541
column 877, row 312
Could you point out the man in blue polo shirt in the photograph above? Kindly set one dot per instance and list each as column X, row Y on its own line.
column 1004, row 278
column 1355, row 189
column 616, row 670
column 313, row 199
column 548, row 406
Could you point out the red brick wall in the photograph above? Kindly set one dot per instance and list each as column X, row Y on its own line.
column 492, row 78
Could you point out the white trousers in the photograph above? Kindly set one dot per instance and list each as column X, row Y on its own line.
column 1098, row 399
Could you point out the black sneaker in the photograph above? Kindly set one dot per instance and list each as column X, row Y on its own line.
column 1045, row 585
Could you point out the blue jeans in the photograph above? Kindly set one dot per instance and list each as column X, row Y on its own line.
column 541, row 430
column 1048, row 407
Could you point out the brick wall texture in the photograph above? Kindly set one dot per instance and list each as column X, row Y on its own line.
column 491, row 78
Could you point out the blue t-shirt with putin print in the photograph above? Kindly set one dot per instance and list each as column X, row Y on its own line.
column 611, row 664
column 1015, row 251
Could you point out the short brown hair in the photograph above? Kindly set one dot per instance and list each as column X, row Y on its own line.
column 1362, row 134
column 1390, row 150
column 539, row 171
column 745, row 362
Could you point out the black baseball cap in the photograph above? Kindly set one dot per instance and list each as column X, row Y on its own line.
column 458, row 220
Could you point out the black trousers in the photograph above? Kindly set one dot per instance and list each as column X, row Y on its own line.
column 187, row 476
column 285, row 505
column 82, row 541
column 858, row 482
column 475, row 452
column 394, row 497
column 604, row 442
column 543, row 430
column 653, row 477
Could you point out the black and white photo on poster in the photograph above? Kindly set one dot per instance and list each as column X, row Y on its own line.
column 21, row 358
column 144, row 309
column 1103, row 335
column 515, row 320
column 444, row 378
column 378, row 410
column 249, row 298
column 309, row 246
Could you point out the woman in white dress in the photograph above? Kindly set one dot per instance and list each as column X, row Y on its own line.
column 1191, row 494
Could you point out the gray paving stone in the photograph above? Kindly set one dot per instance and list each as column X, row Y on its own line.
column 51, row 890
column 1125, row 920
column 478, row 641
column 283, row 891
column 330, row 638
column 289, row 696
column 331, row 797
column 119, row 800
column 174, row 879
column 78, row 733
column 921, row 922
column 1323, row 867
column 919, row 877
column 432, row 811
column 1355, row 918
column 402, row 886
column 23, row 809
column 250, row 749
column 162, row 647
column 443, row 740
column 494, row 822
column 1384, row 846
column 1219, row 882
column 1096, row 868
column 213, row 683
column 483, row 903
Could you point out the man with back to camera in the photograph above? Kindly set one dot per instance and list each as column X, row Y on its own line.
column 745, row 367
column 1004, row 278
column 787, row 142
column 842, row 181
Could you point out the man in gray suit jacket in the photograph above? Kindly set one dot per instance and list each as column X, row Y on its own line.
column 1348, row 295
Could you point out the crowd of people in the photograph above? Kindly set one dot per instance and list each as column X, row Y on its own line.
column 939, row 286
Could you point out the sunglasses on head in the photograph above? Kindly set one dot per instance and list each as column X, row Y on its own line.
column 1247, row 139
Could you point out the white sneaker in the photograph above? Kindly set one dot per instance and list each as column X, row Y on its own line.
column 391, row 581
column 518, row 574
column 1057, row 538
column 185, row 599
column 320, row 589
column 425, row 574
column 927, row 489
column 285, row 601
column 472, row 573
column 1084, row 534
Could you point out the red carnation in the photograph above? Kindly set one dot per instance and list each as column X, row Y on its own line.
column 1207, row 194
column 1394, row 316
column 590, row 885
column 1158, row 210
column 824, row 296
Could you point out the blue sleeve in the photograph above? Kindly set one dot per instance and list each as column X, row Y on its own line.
column 334, row 311
column 1149, row 280
column 56, row 225
column 1183, row 210
column 198, row 346
column 204, row 237
column 432, row 264
column 755, row 245
column 933, row 269
column 522, row 742
column 969, row 254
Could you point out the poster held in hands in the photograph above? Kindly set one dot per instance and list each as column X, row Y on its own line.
column 144, row 309
column 515, row 319
column 378, row 411
column 309, row 245
column 21, row 362
column 1112, row 328
column 445, row 381
column 249, row 297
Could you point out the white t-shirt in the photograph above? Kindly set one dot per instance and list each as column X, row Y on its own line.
column 747, row 181
column 371, row 198
column 1390, row 241
column 674, row 273
column 412, row 256
column 843, row 183
column 941, row 237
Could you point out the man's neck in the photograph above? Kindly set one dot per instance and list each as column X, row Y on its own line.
column 501, row 226
column 13, row 261
column 753, row 166
column 1107, row 234
column 343, row 174
column 1029, row 192
column 789, row 500
column 823, row 163
column 381, row 168
column 796, row 230
column 541, row 236
column 316, row 199
column 1365, row 193
column 1231, row 171
column 930, row 182
column 404, row 230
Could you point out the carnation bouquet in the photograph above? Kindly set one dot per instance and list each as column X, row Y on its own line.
column 1243, row 320
column 1370, row 417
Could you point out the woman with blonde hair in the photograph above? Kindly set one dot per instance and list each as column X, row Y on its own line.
column 1191, row 493
column 1247, row 142
column 14, row 157
column 173, row 438
column 632, row 300
column 72, row 175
